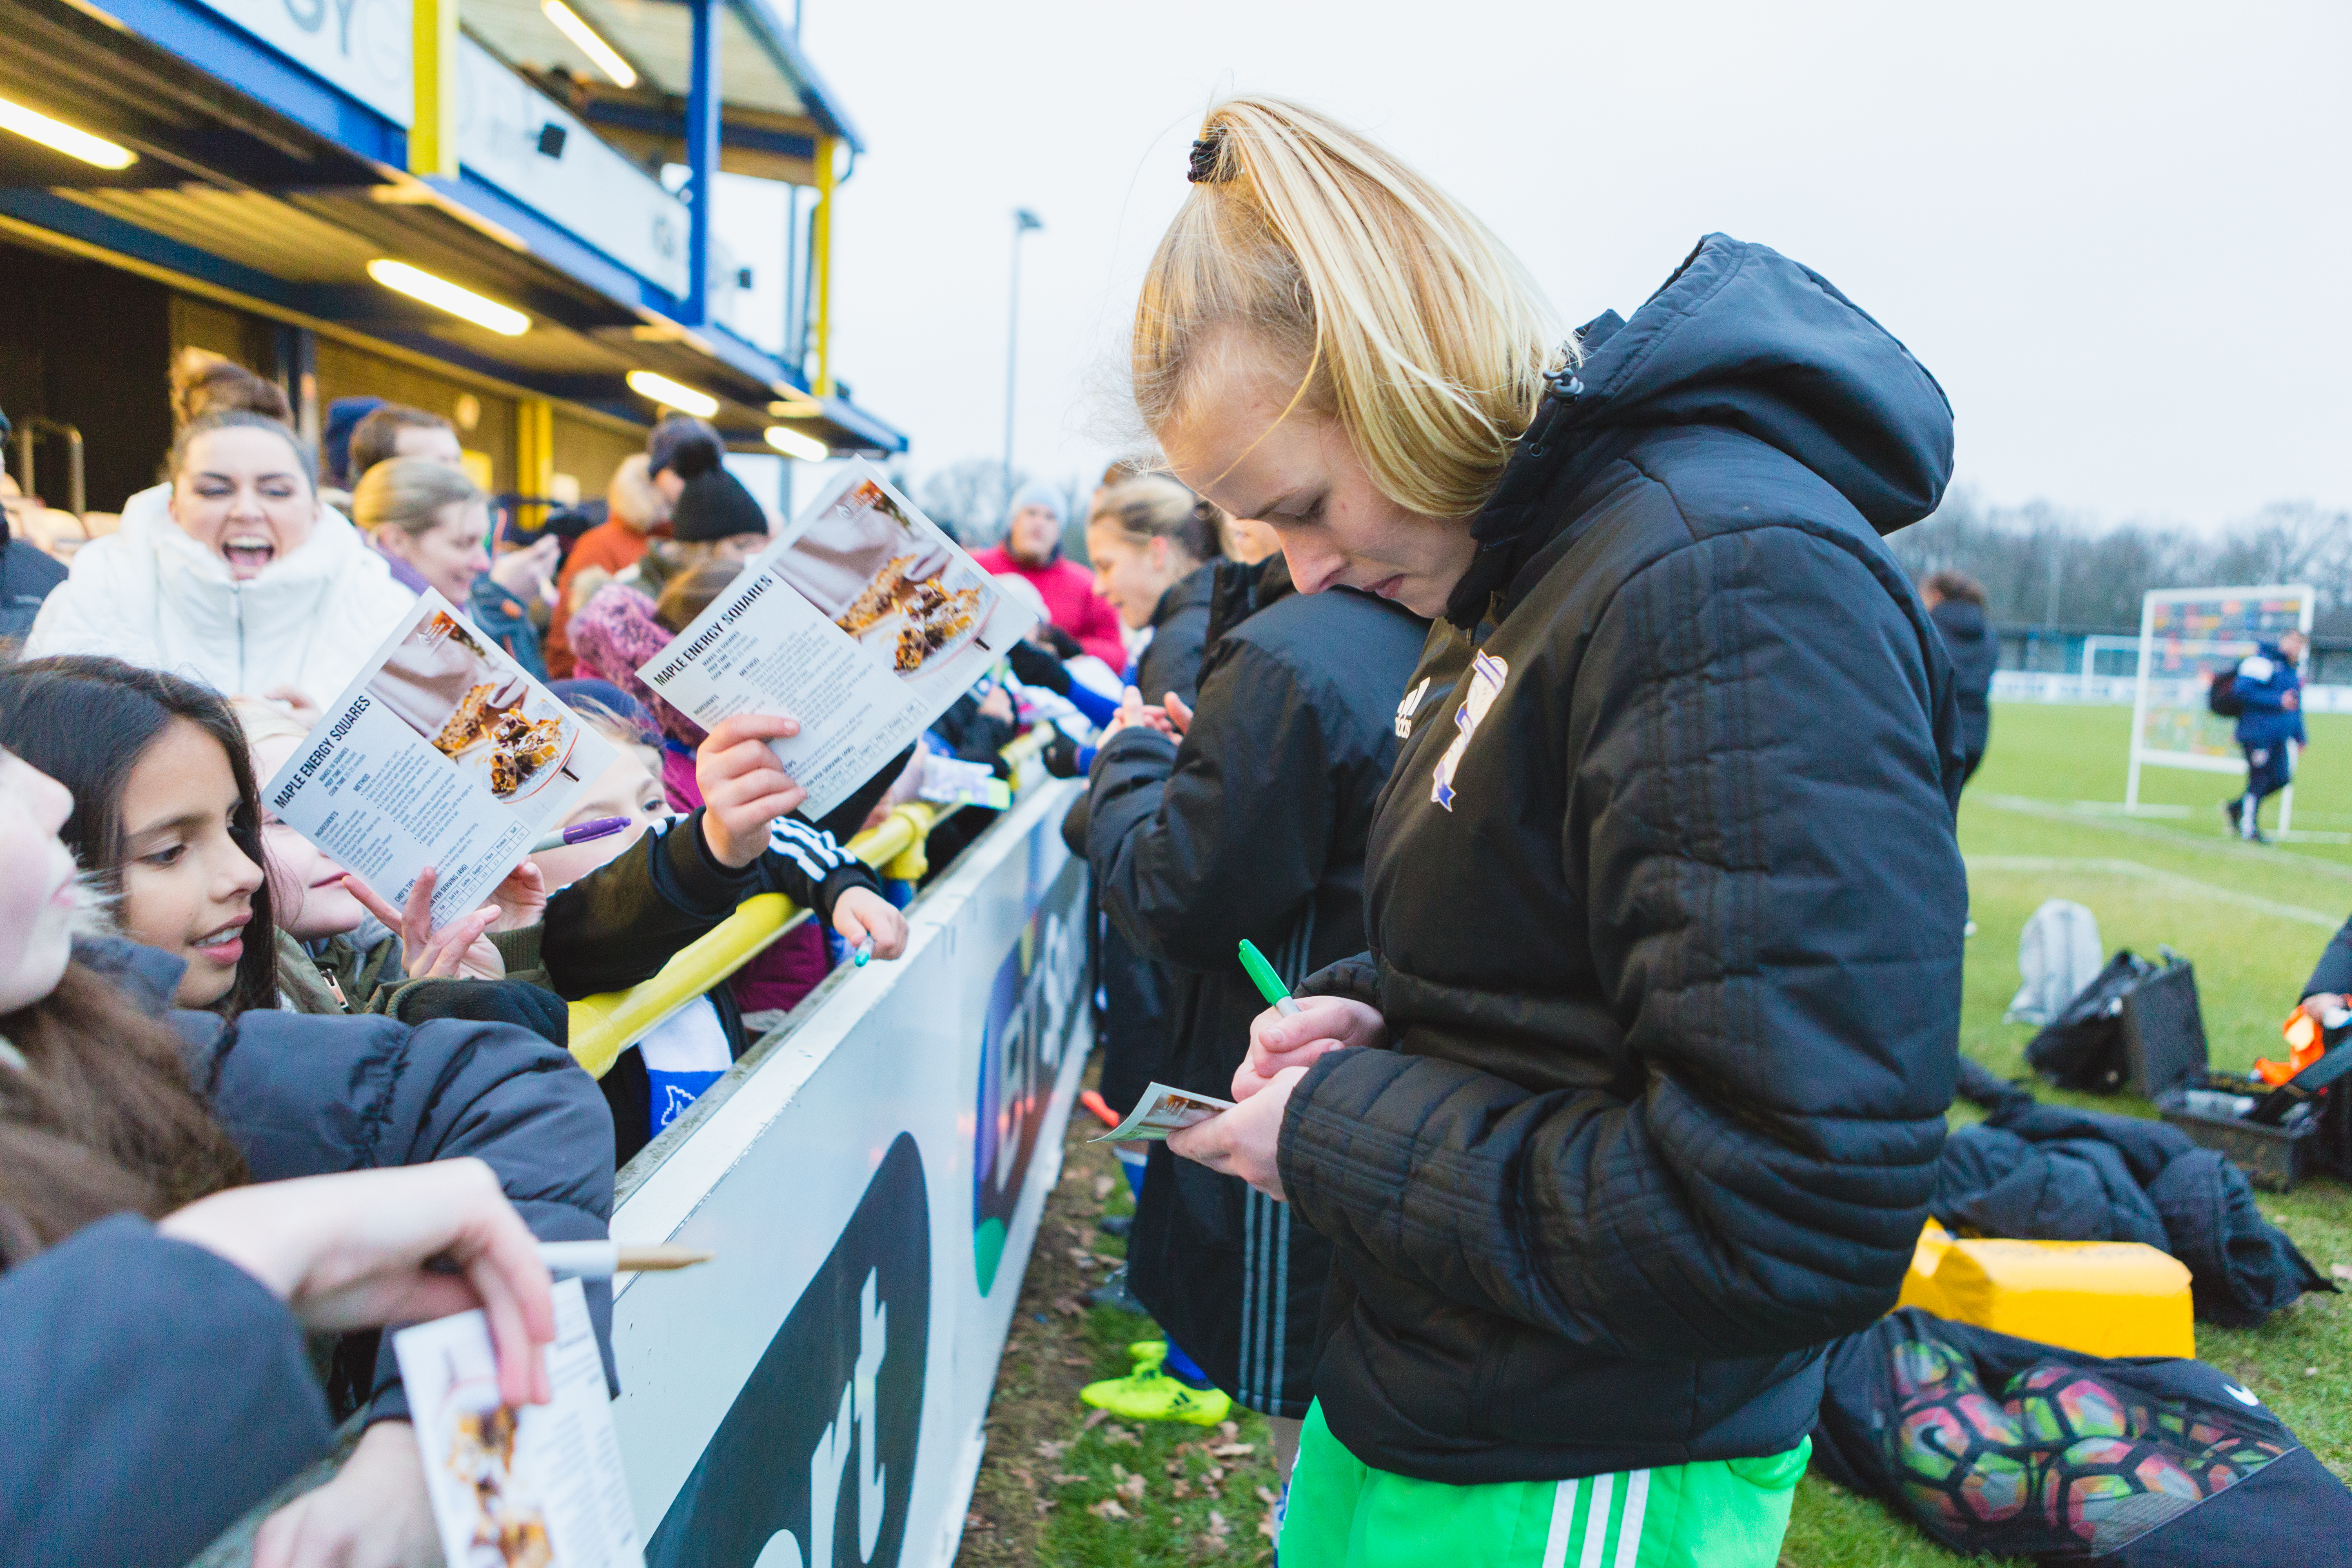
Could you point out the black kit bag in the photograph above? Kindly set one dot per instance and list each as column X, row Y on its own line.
column 2003, row 1447
column 2137, row 1026
column 2222, row 697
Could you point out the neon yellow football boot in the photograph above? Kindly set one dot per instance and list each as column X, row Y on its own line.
column 1148, row 1393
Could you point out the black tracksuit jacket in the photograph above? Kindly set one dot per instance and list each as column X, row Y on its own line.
column 1137, row 1025
column 1671, row 969
column 1254, row 827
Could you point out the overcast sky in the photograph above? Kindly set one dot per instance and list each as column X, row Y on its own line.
column 2117, row 233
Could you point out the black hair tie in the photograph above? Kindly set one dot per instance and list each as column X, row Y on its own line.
column 1204, row 169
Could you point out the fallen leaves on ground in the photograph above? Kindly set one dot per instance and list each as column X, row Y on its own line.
column 1108, row 1509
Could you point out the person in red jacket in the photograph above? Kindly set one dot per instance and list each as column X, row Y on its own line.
column 1032, row 549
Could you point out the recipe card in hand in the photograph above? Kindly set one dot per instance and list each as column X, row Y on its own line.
column 1162, row 1110
column 442, row 753
column 538, row 1486
column 863, row 621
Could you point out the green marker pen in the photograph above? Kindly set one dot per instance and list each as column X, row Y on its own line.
column 1269, row 984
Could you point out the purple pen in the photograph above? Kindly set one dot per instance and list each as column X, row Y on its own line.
column 580, row 833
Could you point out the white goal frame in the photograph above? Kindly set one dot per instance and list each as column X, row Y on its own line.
column 2174, row 689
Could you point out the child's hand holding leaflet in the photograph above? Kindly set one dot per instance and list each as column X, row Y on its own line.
column 921, row 623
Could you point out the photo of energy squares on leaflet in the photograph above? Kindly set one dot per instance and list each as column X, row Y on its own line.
column 2187, row 638
column 886, row 575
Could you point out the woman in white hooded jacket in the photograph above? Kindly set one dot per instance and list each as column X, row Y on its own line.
column 238, row 576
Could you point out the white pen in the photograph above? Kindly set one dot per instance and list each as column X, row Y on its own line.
column 603, row 1259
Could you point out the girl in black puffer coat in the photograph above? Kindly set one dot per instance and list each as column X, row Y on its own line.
column 1253, row 826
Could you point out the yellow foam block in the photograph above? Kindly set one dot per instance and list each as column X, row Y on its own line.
column 2101, row 1297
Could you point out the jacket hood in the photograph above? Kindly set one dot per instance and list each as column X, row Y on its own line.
column 148, row 594
column 1740, row 336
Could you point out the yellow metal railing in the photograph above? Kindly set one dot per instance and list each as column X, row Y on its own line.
column 603, row 1027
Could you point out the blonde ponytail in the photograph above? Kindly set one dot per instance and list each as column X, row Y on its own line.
column 1398, row 312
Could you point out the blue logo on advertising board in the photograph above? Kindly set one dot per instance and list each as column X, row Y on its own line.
column 813, row 1465
column 1030, row 1007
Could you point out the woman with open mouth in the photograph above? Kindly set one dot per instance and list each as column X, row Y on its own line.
column 247, row 581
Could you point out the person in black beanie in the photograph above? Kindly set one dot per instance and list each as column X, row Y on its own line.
column 712, row 516
column 714, row 508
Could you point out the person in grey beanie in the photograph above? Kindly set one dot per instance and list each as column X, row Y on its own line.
column 1032, row 549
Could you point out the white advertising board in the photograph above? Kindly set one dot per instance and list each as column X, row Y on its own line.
column 585, row 185
column 359, row 46
column 871, row 1184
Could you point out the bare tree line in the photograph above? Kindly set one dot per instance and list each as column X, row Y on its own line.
column 2041, row 565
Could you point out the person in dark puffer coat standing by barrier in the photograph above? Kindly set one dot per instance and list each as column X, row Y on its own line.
column 1254, row 827
column 1956, row 603
column 1635, row 1102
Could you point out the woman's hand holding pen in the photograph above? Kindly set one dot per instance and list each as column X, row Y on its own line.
column 1280, row 1042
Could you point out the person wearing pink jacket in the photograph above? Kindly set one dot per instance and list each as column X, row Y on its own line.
column 1032, row 551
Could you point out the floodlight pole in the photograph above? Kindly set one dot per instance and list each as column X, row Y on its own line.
column 1023, row 222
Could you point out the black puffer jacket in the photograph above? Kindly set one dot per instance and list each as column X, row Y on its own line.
column 1254, row 827
column 1665, row 913
column 305, row 1096
column 1170, row 661
column 1975, row 653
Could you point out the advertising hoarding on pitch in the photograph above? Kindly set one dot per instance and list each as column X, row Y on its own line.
column 871, row 1182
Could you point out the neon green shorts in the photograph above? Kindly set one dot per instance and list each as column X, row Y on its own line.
column 1343, row 1514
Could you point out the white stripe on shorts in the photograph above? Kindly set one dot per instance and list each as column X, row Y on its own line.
column 1629, row 1529
column 1596, row 1522
column 1563, row 1514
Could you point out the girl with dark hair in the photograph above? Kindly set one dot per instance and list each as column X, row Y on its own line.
column 166, row 816
column 111, row 1100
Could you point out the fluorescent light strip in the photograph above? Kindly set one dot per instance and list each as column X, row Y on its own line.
column 793, row 444
column 443, row 295
column 589, row 42
column 669, row 393
column 59, row 137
